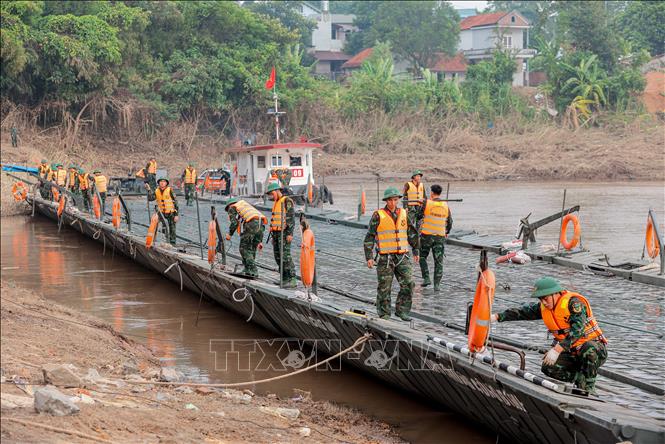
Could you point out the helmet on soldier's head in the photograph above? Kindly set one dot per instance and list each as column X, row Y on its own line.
column 230, row 202
column 391, row 192
column 416, row 173
column 162, row 179
column 43, row 160
column 97, row 172
column 191, row 164
column 272, row 187
column 546, row 286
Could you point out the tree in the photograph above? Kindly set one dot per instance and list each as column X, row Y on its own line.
column 289, row 15
column 540, row 15
column 364, row 12
column 642, row 23
column 417, row 30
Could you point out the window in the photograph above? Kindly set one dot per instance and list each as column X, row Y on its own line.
column 333, row 33
column 276, row 161
column 295, row 161
column 260, row 161
column 512, row 19
column 508, row 41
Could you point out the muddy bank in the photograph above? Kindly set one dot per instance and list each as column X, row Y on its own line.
column 91, row 364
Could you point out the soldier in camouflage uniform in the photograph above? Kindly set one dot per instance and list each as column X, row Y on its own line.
column 388, row 230
column 252, row 224
column 414, row 198
column 282, row 223
column 167, row 204
column 435, row 221
column 579, row 346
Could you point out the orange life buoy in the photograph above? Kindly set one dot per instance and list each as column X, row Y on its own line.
column 479, row 324
column 307, row 258
column 20, row 191
column 653, row 245
column 577, row 231
column 61, row 205
column 96, row 207
column 212, row 241
column 506, row 258
column 152, row 230
column 363, row 202
column 116, row 213
column 55, row 193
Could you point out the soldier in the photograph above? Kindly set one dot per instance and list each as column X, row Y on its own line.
column 84, row 188
column 579, row 344
column 282, row 223
column 60, row 175
column 44, row 172
column 168, row 206
column 101, row 183
column 14, row 135
column 72, row 179
column 388, row 230
column 414, row 197
column 151, row 173
column 189, row 179
column 435, row 221
column 251, row 225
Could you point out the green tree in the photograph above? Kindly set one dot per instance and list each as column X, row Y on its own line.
column 289, row 14
column 417, row 30
column 643, row 24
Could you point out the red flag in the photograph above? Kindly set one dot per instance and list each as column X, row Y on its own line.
column 270, row 83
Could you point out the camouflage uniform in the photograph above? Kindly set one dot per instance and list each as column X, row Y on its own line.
column 190, row 188
column 288, row 269
column 435, row 244
column 387, row 267
column 14, row 136
column 250, row 238
column 150, row 178
column 579, row 367
column 170, row 218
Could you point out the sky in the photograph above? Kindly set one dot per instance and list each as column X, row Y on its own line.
column 469, row 4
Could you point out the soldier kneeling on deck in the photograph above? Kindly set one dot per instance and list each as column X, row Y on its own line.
column 579, row 345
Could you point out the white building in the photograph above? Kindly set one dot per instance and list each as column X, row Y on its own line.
column 482, row 34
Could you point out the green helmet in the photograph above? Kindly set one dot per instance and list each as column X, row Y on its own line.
column 231, row 202
column 391, row 192
column 81, row 171
column 416, row 173
column 163, row 178
column 546, row 286
column 191, row 164
column 58, row 165
column 272, row 187
column 44, row 161
column 97, row 172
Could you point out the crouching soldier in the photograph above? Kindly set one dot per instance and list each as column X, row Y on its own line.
column 250, row 223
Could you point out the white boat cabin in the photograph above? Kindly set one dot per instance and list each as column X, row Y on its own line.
column 256, row 163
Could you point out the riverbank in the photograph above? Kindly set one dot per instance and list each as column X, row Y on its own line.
column 92, row 364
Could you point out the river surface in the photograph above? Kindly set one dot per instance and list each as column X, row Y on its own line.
column 71, row 270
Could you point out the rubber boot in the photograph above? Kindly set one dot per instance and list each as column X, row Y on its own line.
column 291, row 283
column 426, row 282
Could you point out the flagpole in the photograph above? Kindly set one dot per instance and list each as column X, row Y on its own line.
column 274, row 93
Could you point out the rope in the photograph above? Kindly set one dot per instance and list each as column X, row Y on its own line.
column 364, row 338
column 251, row 299
column 175, row 264
column 55, row 429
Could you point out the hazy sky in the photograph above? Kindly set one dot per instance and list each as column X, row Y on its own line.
column 470, row 4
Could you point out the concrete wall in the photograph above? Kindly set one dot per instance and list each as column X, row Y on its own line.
column 486, row 38
column 466, row 40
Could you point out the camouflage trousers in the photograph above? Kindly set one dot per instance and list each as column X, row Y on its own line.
column 413, row 229
column 387, row 267
column 170, row 222
column 189, row 193
column 288, row 269
column 580, row 367
column 45, row 191
column 87, row 203
column 102, row 203
column 436, row 244
column 250, row 238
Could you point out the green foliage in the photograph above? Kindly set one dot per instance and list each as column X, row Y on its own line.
column 643, row 24
column 289, row 15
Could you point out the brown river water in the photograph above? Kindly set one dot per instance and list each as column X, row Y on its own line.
column 71, row 270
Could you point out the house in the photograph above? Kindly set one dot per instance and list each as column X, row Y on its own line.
column 328, row 38
column 482, row 34
column 355, row 62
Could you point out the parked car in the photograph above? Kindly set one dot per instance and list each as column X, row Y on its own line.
column 214, row 181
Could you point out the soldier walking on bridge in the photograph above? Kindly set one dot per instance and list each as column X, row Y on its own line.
column 84, row 188
column 388, row 230
column 579, row 344
column 168, row 206
column 250, row 223
column 414, row 198
column 189, row 180
column 282, row 224
column 436, row 221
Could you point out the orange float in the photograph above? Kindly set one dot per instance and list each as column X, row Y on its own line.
column 116, row 213
column 577, row 232
column 152, row 230
column 307, row 258
column 310, row 192
column 61, row 205
column 363, row 202
column 19, row 191
column 96, row 207
column 653, row 245
column 212, row 241
column 55, row 193
column 479, row 323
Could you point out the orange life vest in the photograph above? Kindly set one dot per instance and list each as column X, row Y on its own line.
column 276, row 222
column 391, row 235
column 100, row 183
column 247, row 213
column 72, row 177
column 44, row 171
column 83, row 181
column 557, row 321
column 414, row 194
column 152, row 167
column 436, row 218
column 190, row 175
column 60, row 177
column 165, row 200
